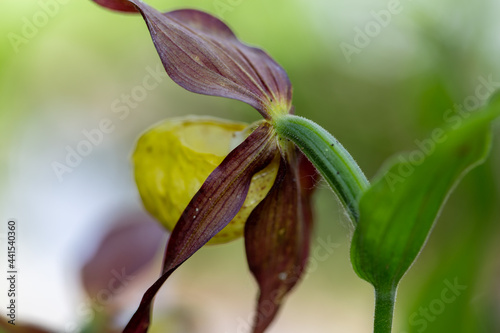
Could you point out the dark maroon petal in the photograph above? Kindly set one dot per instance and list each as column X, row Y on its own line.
column 211, row 209
column 201, row 54
column 118, row 5
column 246, row 66
column 277, row 242
column 309, row 176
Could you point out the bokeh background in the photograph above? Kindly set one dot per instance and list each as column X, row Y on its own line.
column 65, row 65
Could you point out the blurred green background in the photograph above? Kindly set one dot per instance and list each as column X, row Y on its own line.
column 377, row 82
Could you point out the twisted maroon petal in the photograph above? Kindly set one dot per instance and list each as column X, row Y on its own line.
column 211, row 209
column 277, row 237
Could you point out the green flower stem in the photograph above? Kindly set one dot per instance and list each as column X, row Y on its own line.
column 384, row 310
column 329, row 157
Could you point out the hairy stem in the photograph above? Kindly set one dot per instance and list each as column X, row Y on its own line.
column 384, row 310
column 329, row 157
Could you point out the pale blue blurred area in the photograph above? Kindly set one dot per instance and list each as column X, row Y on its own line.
column 73, row 72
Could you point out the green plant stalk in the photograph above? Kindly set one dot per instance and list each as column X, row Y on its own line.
column 329, row 157
column 384, row 310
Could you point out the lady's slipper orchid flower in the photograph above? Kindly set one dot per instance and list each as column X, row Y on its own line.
column 174, row 158
column 261, row 188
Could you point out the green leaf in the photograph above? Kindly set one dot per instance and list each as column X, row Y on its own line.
column 398, row 211
column 462, row 253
